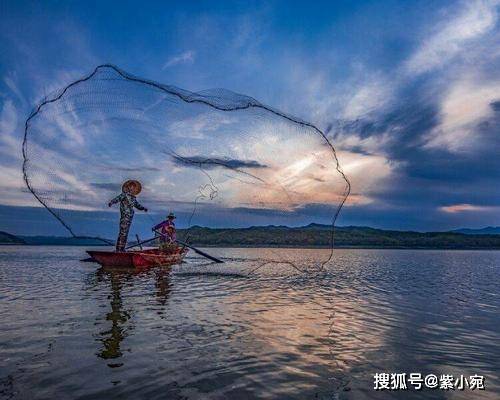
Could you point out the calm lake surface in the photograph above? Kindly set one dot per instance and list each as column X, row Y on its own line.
column 248, row 329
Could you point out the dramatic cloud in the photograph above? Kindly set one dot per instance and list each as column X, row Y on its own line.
column 214, row 162
column 412, row 106
column 453, row 35
column 465, row 107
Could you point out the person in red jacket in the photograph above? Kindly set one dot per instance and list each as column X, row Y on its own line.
column 166, row 230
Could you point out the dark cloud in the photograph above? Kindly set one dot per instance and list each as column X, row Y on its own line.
column 112, row 187
column 425, row 178
column 495, row 105
column 211, row 162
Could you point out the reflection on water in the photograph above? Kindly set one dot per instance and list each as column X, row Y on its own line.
column 163, row 286
column 112, row 338
column 115, row 278
column 240, row 330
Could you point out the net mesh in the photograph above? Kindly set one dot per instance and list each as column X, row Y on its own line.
column 214, row 157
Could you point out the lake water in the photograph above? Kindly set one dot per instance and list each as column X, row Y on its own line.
column 247, row 329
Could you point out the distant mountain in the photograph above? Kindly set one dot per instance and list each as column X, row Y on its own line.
column 7, row 238
column 312, row 235
column 489, row 230
column 315, row 226
column 316, row 235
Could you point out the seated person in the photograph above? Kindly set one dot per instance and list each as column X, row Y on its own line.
column 166, row 230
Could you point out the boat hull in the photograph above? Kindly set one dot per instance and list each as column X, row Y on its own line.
column 138, row 259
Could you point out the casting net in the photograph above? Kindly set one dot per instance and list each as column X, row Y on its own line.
column 215, row 158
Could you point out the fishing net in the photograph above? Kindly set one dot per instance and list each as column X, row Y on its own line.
column 215, row 158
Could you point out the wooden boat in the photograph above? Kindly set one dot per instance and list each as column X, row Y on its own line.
column 139, row 258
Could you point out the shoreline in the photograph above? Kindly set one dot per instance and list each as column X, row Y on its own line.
column 264, row 246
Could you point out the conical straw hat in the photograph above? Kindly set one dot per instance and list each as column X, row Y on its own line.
column 132, row 186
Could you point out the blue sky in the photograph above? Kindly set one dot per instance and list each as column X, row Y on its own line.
column 409, row 92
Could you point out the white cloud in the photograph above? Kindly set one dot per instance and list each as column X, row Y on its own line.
column 10, row 145
column 466, row 104
column 375, row 144
column 356, row 165
column 198, row 126
column 12, row 187
column 458, row 208
column 453, row 36
column 187, row 57
column 369, row 97
column 8, row 118
column 67, row 124
column 10, row 81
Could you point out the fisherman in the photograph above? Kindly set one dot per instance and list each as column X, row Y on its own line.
column 130, row 189
column 167, row 232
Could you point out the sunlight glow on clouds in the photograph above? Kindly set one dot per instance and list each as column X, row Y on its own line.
column 259, row 159
column 464, row 107
column 458, row 208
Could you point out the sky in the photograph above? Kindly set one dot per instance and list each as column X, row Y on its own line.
column 407, row 92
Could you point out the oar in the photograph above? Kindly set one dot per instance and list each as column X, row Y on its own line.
column 90, row 259
column 140, row 243
column 201, row 253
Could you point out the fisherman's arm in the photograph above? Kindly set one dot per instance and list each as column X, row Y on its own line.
column 115, row 200
column 160, row 225
column 139, row 206
column 154, row 228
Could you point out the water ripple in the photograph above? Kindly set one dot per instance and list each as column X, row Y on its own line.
column 249, row 328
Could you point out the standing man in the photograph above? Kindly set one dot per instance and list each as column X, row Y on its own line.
column 128, row 202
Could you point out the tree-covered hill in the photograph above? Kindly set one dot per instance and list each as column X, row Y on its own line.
column 7, row 238
column 320, row 236
column 313, row 235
